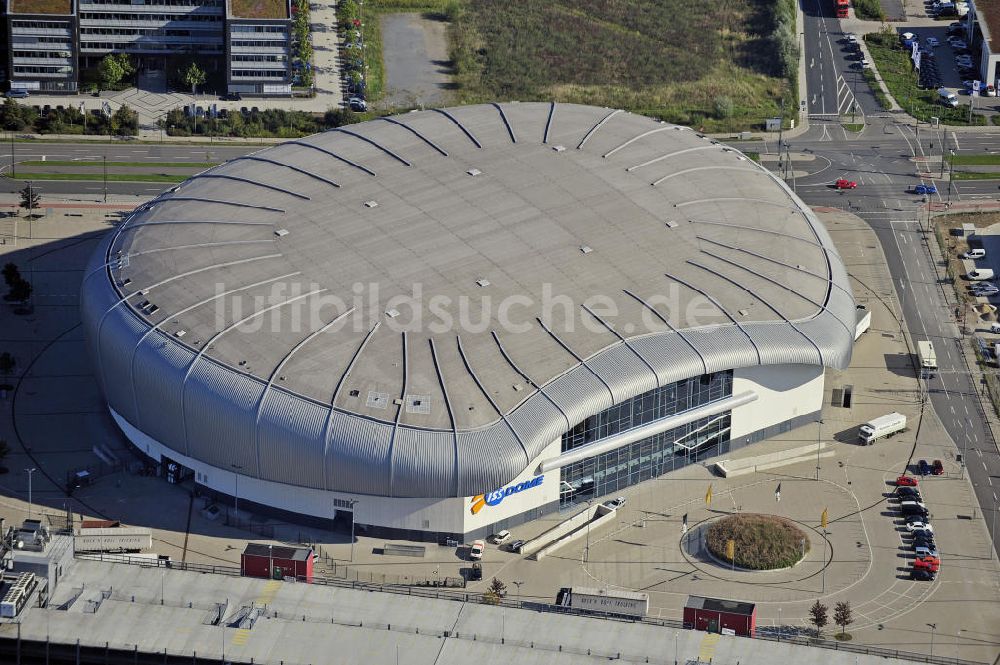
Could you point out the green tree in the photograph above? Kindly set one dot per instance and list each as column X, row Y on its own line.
column 12, row 116
column 194, row 76
column 10, row 273
column 842, row 615
column 125, row 121
column 20, row 291
column 7, row 363
column 114, row 68
column 29, row 201
column 818, row 617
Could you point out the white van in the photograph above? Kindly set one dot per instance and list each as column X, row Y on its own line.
column 978, row 253
column 979, row 274
column 947, row 97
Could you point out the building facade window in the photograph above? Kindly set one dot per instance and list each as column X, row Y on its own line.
column 653, row 456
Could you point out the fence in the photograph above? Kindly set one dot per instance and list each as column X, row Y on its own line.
column 536, row 607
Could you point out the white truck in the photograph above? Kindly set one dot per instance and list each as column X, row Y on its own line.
column 928, row 358
column 604, row 601
column 881, row 427
column 115, row 539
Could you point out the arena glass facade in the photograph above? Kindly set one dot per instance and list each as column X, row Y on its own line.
column 653, row 456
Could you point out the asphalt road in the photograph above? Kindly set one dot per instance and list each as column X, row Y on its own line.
column 115, row 152
column 883, row 161
column 833, row 73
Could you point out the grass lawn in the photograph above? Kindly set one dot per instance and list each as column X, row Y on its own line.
column 762, row 542
column 148, row 165
column 712, row 65
column 97, row 177
column 975, row 160
column 259, row 8
column 896, row 69
column 853, row 127
column 974, row 175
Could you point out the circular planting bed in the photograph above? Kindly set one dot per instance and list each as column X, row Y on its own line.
column 762, row 542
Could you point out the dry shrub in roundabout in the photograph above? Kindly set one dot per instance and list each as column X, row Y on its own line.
column 763, row 542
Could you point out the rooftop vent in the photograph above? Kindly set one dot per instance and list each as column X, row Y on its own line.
column 153, row 309
column 483, row 282
column 377, row 400
column 354, row 393
column 397, row 402
column 474, row 172
column 371, row 204
column 672, row 224
column 392, row 313
column 180, row 333
column 586, row 249
column 517, row 387
column 559, row 148
column 744, row 312
column 126, row 281
column 281, row 233
column 420, row 404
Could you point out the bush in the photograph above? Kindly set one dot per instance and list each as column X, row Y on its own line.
column 870, row 10
column 763, row 542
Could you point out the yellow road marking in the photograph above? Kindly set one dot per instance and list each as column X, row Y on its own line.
column 707, row 649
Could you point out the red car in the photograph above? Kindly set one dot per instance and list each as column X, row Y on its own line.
column 843, row 183
column 937, row 468
column 927, row 563
column 906, row 481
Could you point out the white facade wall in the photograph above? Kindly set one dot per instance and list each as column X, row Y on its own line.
column 784, row 392
column 451, row 515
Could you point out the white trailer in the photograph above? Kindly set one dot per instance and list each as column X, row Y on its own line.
column 928, row 358
column 864, row 321
column 881, row 427
column 604, row 601
column 118, row 539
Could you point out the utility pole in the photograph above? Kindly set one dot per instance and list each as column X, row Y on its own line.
column 104, row 160
column 30, row 471
column 781, row 132
column 13, row 171
column 819, row 439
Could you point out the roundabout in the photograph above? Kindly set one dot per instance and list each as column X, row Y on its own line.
column 756, row 542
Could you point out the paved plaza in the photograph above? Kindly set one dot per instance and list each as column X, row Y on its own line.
column 55, row 416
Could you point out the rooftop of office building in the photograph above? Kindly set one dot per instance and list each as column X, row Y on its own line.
column 58, row 7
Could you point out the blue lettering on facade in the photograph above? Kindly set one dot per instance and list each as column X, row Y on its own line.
column 496, row 496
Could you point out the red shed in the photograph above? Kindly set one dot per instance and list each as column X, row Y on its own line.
column 720, row 616
column 277, row 562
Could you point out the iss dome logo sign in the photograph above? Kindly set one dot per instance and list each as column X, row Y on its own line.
column 496, row 496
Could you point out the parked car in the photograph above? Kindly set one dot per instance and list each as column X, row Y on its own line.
column 926, row 550
column 477, row 550
column 906, row 481
column 924, row 540
column 922, row 575
column 500, row 536
column 476, row 573
column 357, row 104
column 923, row 467
column 516, row 546
column 909, row 508
column 925, row 189
column 937, row 468
column 852, row 39
column 17, row 94
column 919, row 526
column 989, row 90
column 925, row 563
column 843, row 183
column 907, row 494
column 985, row 290
column 615, row 504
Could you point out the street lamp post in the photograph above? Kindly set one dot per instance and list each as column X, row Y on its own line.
column 819, row 440
column 994, row 529
column 675, row 648
column 933, row 627
column 30, row 471
column 104, row 161
column 779, row 623
column 823, row 563
column 590, row 518
column 951, row 172
column 518, row 584
column 354, row 502
column 236, row 496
